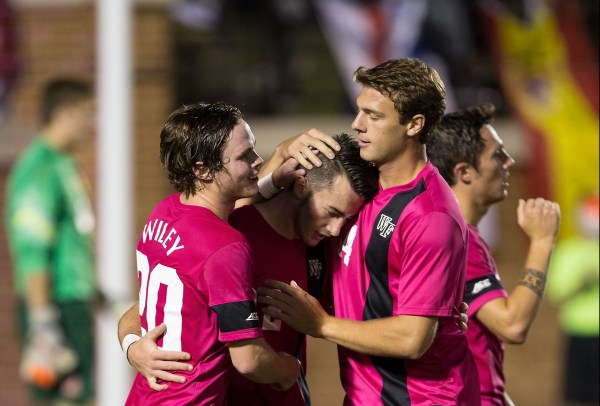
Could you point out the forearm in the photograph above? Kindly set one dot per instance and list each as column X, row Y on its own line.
column 529, row 292
column 538, row 256
column 406, row 337
column 130, row 323
column 524, row 301
column 38, row 294
column 257, row 361
column 275, row 161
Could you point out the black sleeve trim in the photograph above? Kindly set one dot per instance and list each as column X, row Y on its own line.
column 236, row 316
column 478, row 286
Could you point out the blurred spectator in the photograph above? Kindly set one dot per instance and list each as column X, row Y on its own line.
column 368, row 32
column 9, row 62
column 573, row 286
column 49, row 226
column 247, row 49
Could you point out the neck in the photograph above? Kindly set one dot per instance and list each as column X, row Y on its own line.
column 404, row 169
column 276, row 213
column 471, row 210
column 56, row 138
column 214, row 202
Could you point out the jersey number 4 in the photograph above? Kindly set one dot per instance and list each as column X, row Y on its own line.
column 150, row 283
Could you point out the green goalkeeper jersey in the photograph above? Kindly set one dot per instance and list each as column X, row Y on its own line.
column 50, row 223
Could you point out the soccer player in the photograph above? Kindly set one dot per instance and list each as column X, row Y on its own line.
column 399, row 276
column 195, row 270
column 472, row 158
column 286, row 236
column 50, row 227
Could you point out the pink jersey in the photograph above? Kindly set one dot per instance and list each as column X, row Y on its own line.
column 276, row 257
column 483, row 285
column 406, row 255
column 195, row 274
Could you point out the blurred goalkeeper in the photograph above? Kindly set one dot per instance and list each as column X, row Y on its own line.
column 50, row 223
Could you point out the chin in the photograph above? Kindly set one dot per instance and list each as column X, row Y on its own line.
column 309, row 241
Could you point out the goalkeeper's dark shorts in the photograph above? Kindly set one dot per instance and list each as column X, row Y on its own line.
column 77, row 320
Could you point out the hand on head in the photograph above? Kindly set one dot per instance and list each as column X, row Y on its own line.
column 305, row 147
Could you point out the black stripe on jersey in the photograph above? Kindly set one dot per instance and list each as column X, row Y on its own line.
column 379, row 302
column 315, row 269
column 236, row 316
column 478, row 286
column 315, row 278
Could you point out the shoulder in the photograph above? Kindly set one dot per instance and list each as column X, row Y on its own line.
column 437, row 202
column 242, row 215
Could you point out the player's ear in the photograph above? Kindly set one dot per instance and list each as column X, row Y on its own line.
column 201, row 171
column 301, row 187
column 415, row 125
column 462, row 172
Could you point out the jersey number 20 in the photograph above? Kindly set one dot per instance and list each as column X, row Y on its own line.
column 150, row 283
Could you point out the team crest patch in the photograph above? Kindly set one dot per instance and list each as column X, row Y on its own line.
column 385, row 226
column 315, row 268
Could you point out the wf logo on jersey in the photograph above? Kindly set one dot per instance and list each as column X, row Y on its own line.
column 385, row 226
column 315, row 268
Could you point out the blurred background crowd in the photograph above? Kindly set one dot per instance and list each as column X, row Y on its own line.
column 287, row 64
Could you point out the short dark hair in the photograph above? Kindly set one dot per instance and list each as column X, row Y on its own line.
column 347, row 162
column 457, row 138
column 63, row 92
column 192, row 133
column 413, row 87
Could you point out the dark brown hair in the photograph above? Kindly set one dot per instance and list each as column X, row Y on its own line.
column 413, row 87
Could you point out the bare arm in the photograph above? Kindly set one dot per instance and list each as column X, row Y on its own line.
column 510, row 318
column 145, row 356
column 257, row 361
column 290, row 158
column 282, row 177
column 400, row 336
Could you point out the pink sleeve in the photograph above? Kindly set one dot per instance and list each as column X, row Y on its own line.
column 428, row 255
column 227, row 279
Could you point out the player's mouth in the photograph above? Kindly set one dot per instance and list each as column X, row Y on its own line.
column 362, row 143
column 319, row 237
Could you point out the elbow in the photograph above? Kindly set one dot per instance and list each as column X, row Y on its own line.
column 246, row 368
column 413, row 355
column 416, row 349
column 418, row 352
column 515, row 340
column 515, row 335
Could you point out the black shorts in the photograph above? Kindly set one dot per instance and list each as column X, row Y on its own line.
column 582, row 374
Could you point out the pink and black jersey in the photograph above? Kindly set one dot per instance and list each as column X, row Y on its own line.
column 276, row 257
column 195, row 275
column 483, row 285
column 406, row 255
